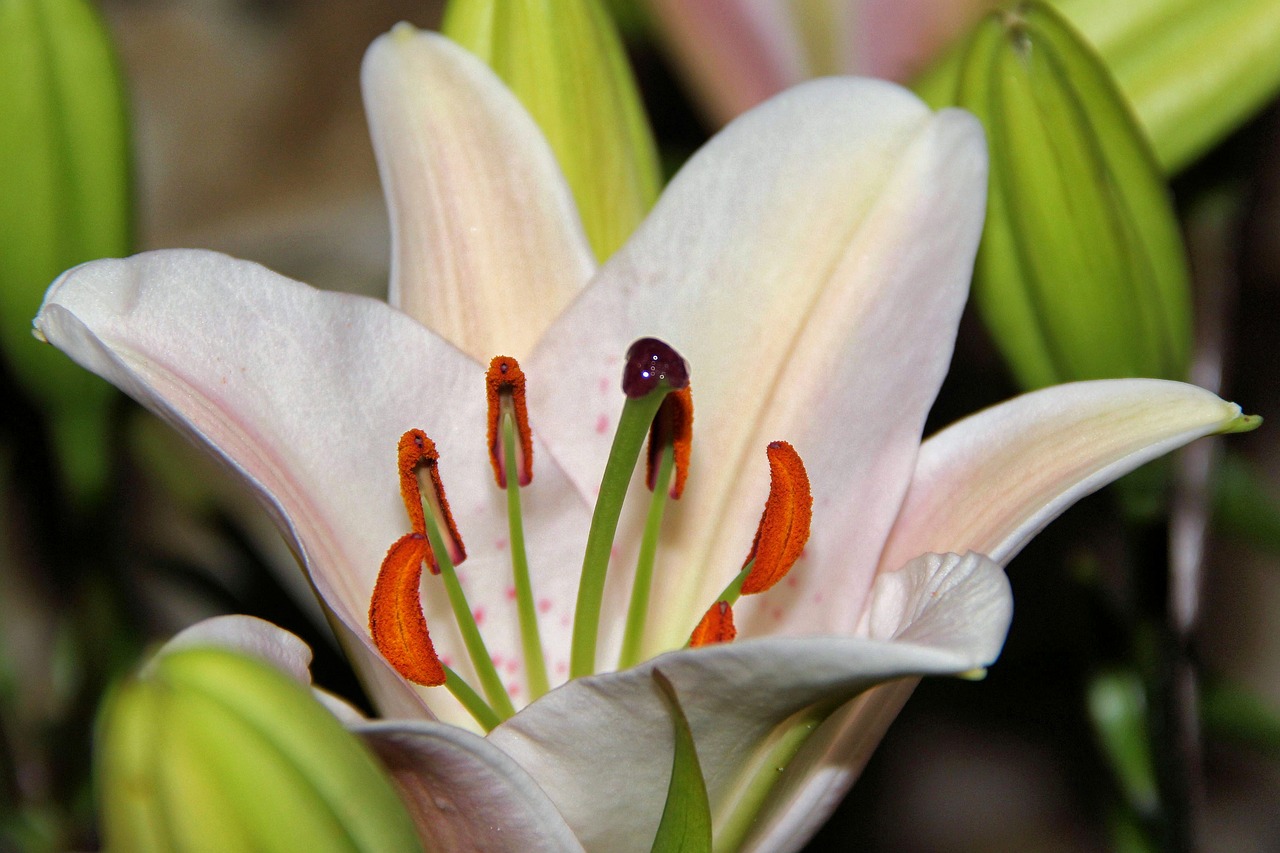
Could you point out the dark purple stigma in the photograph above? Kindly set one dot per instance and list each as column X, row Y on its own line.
column 649, row 363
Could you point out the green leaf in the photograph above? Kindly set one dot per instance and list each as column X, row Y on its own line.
column 1233, row 713
column 565, row 62
column 64, row 170
column 1244, row 506
column 212, row 750
column 1117, row 706
column 686, row 817
column 1081, row 273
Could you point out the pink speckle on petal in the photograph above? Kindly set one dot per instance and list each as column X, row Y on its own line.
column 446, row 660
column 500, row 544
column 817, row 597
column 511, row 593
column 497, row 660
column 602, row 424
column 478, row 615
column 512, row 666
column 562, row 667
column 792, row 580
column 513, row 688
column 544, row 605
column 565, row 621
column 777, row 614
column 604, row 385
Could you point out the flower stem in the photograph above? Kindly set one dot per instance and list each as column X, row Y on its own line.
column 633, row 427
column 469, row 699
column 639, row 607
column 534, row 663
column 485, row 671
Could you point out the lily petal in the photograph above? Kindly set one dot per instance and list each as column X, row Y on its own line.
column 993, row 480
column 487, row 247
column 251, row 635
column 466, row 794
column 798, row 233
column 305, row 394
column 735, row 695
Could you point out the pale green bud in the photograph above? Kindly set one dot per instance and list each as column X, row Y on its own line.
column 207, row 749
column 565, row 62
column 1081, row 273
column 1193, row 70
column 64, row 199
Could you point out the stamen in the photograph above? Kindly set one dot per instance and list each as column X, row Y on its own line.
column 395, row 613
column 505, row 381
column 650, row 363
column 420, row 486
column 673, row 427
column 784, row 527
column 652, row 371
column 716, row 626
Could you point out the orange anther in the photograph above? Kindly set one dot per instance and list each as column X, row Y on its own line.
column 419, row 481
column 505, row 381
column 716, row 626
column 784, row 527
column 395, row 613
column 673, row 425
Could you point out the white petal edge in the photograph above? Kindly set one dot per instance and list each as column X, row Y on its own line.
column 305, row 394
column 812, row 258
column 602, row 745
column 464, row 793
column 992, row 481
column 250, row 635
column 487, row 248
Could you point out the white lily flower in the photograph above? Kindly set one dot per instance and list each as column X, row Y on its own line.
column 810, row 264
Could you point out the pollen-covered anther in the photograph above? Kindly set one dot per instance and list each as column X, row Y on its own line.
column 784, row 527
column 395, row 613
column 420, row 488
column 505, row 387
column 716, row 626
column 672, row 427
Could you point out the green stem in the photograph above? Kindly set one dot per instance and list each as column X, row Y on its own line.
column 638, row 610
column 741, row 815
column 469, row 699
column 633, row 426
column 485, row 670
column 534, row 663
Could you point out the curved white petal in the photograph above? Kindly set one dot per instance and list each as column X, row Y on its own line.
column 599, row 743
column 466, row 794
column 305, row 394
column 993, row 480
column 811, row 263
column 250, row 635
column 486, row 243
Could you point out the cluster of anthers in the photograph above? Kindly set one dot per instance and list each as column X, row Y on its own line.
column 658, row 405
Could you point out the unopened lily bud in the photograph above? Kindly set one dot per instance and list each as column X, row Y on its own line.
column 1193, row 71
column 207, row 749
column 64, row 183
column 1081, row 273
column 565, row 62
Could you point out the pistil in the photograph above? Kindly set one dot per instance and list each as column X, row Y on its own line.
column 653, row 370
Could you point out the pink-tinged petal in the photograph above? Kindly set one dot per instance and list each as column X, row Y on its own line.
column 993, row 480
column 779, row 262
column 950, row 615
column 896, row 39
column 305, row 394
column 487, row 247
column 734, row 54
column 466, row 794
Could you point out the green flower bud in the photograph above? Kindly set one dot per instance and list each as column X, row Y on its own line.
column 65, row 180
column 1193, row 70
column 565, row 62
column 211, row 750
column 1081, row 273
